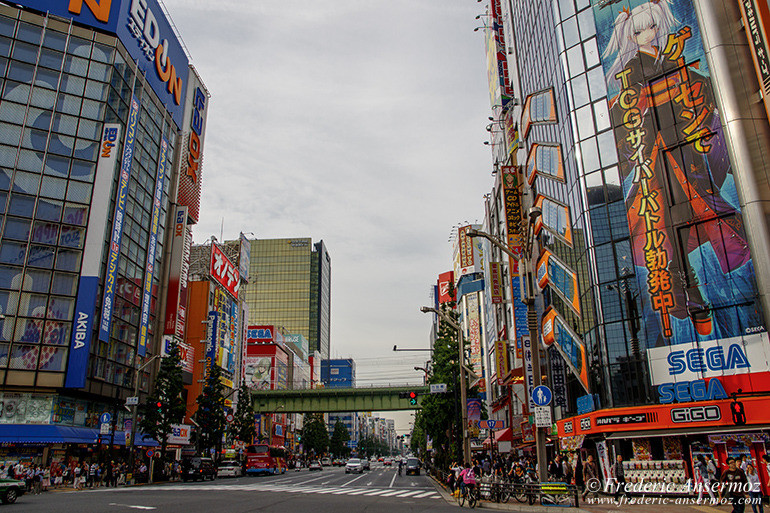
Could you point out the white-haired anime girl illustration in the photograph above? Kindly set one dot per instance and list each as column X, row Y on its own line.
column 641, row 32
column 685, row 230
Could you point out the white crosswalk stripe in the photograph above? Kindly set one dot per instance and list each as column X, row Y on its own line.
column 299, row 488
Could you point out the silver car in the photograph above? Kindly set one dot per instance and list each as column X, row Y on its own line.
column 229, row 468
column 354, row 465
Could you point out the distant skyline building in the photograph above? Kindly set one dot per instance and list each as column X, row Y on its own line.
column 290, row 288
column 341, row 373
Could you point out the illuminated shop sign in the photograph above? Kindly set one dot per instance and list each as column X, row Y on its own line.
column 555, row 331
column 552, row 271
column 555, row 218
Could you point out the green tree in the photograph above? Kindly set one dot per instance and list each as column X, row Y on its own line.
column 439, row 417
column 315, row 436
column 243, row 425
column 338, row 443
column 371, row 446
column 211, row 412
column 165, row 406
column 418, row 441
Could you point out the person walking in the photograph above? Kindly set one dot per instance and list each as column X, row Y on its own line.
column 619, row 475
column 703, row 479
column 590, row 476
column 755, row 489
column 734, row 482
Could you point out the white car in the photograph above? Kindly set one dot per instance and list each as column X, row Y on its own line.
column 326, row 461
column 354, row 465
column 229, row 468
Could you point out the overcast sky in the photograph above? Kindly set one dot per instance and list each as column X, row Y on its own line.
column 359, row 122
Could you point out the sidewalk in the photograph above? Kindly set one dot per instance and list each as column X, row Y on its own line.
column 603, row 505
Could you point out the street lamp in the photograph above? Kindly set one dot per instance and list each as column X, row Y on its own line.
column 426, row 371
column 463, row 385
column 134, row 414
column 532, row 322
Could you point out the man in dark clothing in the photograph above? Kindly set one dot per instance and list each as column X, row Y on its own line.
column 619, row 475
column 734, row 483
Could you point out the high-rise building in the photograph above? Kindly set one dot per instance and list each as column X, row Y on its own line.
column 290, row 288
column 341, row 373
column 637, row 129
column 95, row 112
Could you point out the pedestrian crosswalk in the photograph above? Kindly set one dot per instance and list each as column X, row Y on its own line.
column 299, row 488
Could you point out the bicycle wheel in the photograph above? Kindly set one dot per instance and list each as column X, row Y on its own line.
column 473, row 498
column 505, row 495
column 461, row 498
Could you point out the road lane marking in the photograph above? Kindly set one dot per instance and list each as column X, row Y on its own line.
column 392, row 480
column 356, row 479
column 132, row 506
column 424, row 494
column 411, row 492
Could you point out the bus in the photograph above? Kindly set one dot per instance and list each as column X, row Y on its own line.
column 265, row 459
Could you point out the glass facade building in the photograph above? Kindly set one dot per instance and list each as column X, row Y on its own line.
column 289, row 287
column 637, row 132
column 66, row 85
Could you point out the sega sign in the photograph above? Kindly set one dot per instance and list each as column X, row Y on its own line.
column 260, row 334
column 688, row 391
column 723, row 358
column 146, row 33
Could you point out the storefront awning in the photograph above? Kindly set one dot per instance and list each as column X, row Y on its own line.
column 686, row 431
column 42, row 434
column 504, row 435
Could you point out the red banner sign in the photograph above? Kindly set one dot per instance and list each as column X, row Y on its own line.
column 224, row 272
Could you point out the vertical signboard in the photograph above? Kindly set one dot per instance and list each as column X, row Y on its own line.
column 211, row 340
column 756, row 22
column 529, row 373
column 496, row 282
column 117, row 223
column 513, row 185
column 689, row 250
column 244, row 260
column 473, row 326
column 445, row 285
column 223, row 271
column 501, row 359
column 149, row 269
column 88, row 286
column 177, row 276
column 191, row 161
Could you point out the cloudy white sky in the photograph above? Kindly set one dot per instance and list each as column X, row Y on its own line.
column 359, row 122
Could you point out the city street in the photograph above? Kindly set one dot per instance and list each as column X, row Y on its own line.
column 329, row 490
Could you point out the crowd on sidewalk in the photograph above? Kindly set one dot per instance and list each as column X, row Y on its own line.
column 80, row 475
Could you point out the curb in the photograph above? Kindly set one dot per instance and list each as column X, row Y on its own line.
column 506, row 506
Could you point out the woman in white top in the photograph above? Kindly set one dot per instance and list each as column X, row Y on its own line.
column 755, row 489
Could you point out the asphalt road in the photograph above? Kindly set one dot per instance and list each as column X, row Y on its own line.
column 327, row 491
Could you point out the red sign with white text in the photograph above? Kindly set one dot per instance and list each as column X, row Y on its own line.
column 224, row 272
column 445, row 280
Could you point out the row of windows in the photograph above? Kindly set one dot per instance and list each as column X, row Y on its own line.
column 33, row 357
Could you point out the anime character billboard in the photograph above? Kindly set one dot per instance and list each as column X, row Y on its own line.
column 690, row 254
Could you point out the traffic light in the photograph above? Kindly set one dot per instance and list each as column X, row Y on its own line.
column 739, row 414
column 413, row 398
column 159, row 406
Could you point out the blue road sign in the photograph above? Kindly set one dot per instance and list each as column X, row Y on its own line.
column 105, row 418
column 542, row 395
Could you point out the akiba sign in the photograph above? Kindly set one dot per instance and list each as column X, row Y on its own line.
column 146, row 33
column 710, row 370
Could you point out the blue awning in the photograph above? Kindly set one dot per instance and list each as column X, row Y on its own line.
column 42, row 434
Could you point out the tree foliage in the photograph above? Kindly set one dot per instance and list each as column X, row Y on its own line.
column 211, row 412
column 243, row 424
column 315, row 436
column 371, row 446
column 338, row 443
column 157, row 420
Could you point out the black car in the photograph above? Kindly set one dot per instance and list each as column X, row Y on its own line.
column 198, row 467
column 412, row 466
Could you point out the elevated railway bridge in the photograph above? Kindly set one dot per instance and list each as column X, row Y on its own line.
column 336, row 400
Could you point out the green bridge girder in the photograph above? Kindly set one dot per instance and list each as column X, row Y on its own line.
column 334, row 400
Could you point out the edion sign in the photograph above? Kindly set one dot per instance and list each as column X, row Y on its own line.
column 224, row 272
